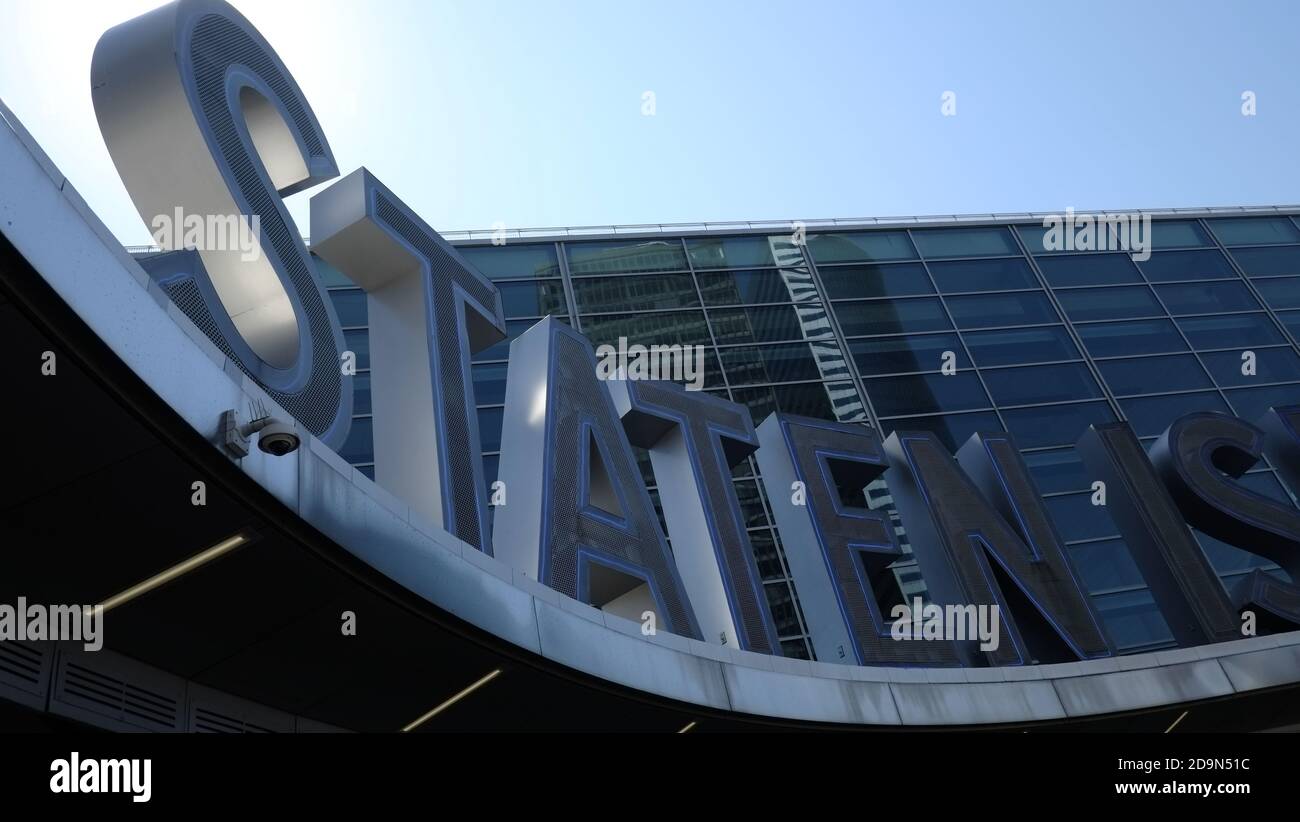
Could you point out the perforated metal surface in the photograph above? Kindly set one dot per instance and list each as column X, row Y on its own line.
column 218, row 44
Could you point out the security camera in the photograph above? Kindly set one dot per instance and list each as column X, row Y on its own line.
column 277, row 438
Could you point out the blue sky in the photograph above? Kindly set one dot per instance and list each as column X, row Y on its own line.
column 530, row 113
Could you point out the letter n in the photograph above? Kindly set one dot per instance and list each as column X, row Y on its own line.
column 960, row 525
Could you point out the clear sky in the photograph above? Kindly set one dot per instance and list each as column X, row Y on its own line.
column 531, row 113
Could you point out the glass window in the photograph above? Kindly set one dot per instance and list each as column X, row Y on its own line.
column 616, row 256
column 781, row 603
column 360, row 444
column 1177, row 234
column 1121, row 232
column 733, row 252
column 1021, row 345
column 1077, row 518
column 751, row 504
column 350, row 305
column 489, row 383
column 361, row 393
column 1265, row 483
column 653, row 328
column 1280, row 292
column 656, row 328
column 860, row 246
column 1041, row 383
column 329, row 276
column 770, row 323
column 795, row 649
column 358, row 342
column 1034, row 237
column 1290, row 319
column 863, row 281
column 1150, row 416
column 1133, row 620
column 1206, row 298
column 1225, row 558
column 991, row 241
column 501, row 350
column 1253, row 403
column 1089, row 269
column 926, row 393
column 367, row 470
column 1109, row 303
column 1269, row 262
column 952, row 429
column 1139, row 337
column 1230, row 331
column 765, row 555
column 808, row 400
column 1106, row 565
column 983, row 275
column 1057, row 470
column 761, row 286
column 500, row 262
column 598, row 294
column 1154, row 375
column 1271, row 365
column 532, row 299
column 1254, row 230
column 890, row 316
column 491, row 467
column 774, row 363
column 900, row 355
column 990, row 310
column 1186, row 265
column 1054, row 424
column 489, row 428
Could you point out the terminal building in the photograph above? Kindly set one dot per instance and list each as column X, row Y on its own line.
column 278, row 544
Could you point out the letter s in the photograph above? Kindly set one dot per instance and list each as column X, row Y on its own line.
column 202, row 119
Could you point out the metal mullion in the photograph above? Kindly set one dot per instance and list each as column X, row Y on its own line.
column 955, row 330
column 984, row 410
column 561, row 254
column 1212, row 387
column 1113, row 357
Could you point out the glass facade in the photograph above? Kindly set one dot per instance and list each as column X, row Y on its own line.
column 951, row 329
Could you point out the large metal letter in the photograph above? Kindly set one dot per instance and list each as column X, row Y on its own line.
column 1184, row 585
column 694, row 439
column 209, row 130
column 1195, row 457
column 577, row 516
column 837, row 555
column 429, row 310
column 955, row 529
